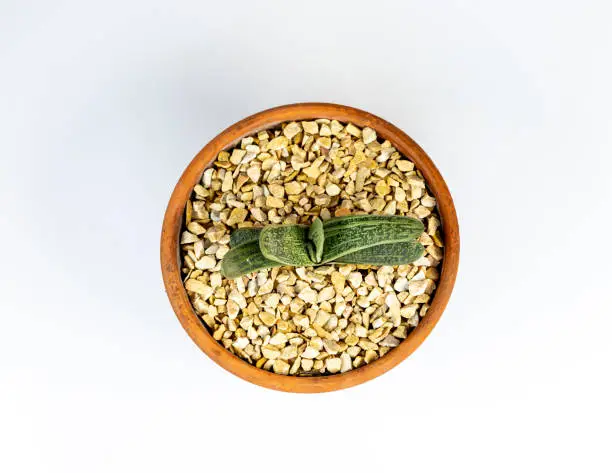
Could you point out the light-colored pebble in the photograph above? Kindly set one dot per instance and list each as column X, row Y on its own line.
column 333, row 189
column 333, row 364
column 308, row 295
column 310, row 353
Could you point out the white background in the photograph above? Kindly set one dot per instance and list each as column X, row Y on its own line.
column 103, row 104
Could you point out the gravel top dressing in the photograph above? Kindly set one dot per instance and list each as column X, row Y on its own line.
column 292, row 258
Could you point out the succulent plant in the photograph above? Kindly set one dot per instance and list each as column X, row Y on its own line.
column 355, row 239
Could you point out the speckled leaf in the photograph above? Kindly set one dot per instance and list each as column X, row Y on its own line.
column 245, row 259
column 244, row 235
column 339, row 224
column 310, row 249
column 317, row 237
column 286, row 244
column 358, row 237
column 391, row 254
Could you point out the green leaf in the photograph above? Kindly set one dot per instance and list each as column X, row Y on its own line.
column 241, row 236
column 359, row 237
column 338, row 224
column 245, row 259
column 317, row 237
column 391, row 254
column 310, row 249
column 286, row 244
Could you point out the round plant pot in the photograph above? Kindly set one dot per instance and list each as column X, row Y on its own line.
column 173, row 220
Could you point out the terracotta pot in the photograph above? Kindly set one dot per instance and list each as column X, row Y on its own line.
column 171, row 265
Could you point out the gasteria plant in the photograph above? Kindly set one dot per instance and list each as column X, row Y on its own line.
column 355, row 239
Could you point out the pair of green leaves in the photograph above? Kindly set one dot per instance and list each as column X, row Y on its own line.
column 356, row 239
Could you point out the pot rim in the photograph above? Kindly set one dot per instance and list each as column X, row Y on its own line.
column 172, row 225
